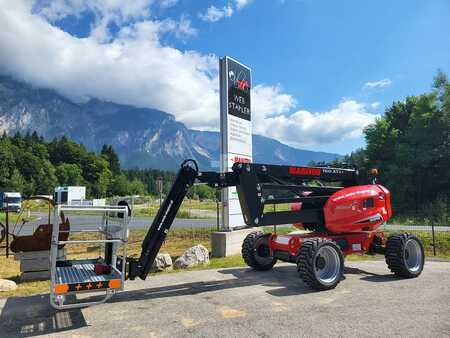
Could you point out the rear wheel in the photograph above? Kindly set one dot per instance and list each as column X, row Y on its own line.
column 256, row 251
column 404, row 255
column 320, row 264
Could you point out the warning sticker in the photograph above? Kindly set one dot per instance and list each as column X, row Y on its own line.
column 356, row 246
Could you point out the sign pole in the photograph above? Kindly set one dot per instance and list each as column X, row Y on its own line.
column 235, row 131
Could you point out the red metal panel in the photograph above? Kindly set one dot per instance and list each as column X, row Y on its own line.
column 359, row 208
column 356, row 242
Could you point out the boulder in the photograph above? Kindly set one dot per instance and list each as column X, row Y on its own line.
column 7, row 285
column 162, row 262
column 194, row 256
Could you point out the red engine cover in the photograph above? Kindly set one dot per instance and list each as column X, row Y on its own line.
column 359, row 208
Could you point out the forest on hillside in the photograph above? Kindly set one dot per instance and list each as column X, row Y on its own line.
column 31, row 165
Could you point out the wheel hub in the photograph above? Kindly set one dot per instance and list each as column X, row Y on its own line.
column 413, row 255
column 320, row 262
column 327, row 265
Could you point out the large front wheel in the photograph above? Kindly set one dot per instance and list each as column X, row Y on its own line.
column 320, row 264
column 404, row 255
column 256, row 251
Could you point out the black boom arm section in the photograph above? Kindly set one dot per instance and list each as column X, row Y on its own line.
column 185, row 178
column 253, row 183
column 261, row 185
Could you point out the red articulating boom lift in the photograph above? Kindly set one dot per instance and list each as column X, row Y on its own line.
column 342, row 208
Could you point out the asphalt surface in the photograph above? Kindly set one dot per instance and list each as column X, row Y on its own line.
column 240, row 302
column 92, row 222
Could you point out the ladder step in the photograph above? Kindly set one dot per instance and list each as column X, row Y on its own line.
column 79, row 276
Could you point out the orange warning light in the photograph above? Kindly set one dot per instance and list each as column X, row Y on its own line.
column 115, row 283
column 61, row 288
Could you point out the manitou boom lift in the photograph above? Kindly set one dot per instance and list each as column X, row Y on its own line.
column 340, row 208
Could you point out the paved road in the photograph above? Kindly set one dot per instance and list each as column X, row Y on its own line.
column 92, row 222
column 241, row 302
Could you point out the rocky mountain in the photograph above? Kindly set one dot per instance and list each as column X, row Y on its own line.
column 265, row 150
column 142, row 137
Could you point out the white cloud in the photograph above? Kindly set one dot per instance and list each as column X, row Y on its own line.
column 135, row 68
column 182, row 28
column 214, row 14
column 121, row 10
column 105, row 12
column 167, row 3
column 269, row 100
column 242, row 3
column 375, row 105
column 378, row 84
column 304, row 128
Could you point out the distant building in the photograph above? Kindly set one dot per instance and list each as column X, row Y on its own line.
column 75, row 196
column 66, row 195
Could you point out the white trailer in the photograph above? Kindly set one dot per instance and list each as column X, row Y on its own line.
column 67, row 195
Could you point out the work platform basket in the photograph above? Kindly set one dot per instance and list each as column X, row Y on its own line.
column 91, row 280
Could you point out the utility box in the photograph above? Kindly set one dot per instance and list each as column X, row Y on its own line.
column 66, row 195
column 11, row 200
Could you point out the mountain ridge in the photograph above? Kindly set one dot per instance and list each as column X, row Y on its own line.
column 142, row 137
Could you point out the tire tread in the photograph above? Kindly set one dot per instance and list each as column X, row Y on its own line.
column 305, row 263
column 248, row 252
column 394, row 255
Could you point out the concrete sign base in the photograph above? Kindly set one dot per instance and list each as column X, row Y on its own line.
column 228, row 243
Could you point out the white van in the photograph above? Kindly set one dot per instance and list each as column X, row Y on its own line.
column 12, row 200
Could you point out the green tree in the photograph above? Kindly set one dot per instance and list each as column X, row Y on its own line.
column 97, row 175
column 69, row 174
column 110, row 155
column 119, row 186
column 16, row 182
column 202, row 192
column 136, row 187
column 410, row 146
column 7, row 164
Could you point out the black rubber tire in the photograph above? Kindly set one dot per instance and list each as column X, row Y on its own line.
column 396, row 255
column 307, row 260
column 250, row 251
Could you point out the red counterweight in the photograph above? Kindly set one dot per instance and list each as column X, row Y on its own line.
column 358, row 208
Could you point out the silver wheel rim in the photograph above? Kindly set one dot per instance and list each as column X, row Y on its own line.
column 413, row 255
column 327, row 265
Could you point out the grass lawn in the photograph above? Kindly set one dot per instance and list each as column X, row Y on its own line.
column 190, row 208
column 177, row 242
column 13, row 217
column 442, row 240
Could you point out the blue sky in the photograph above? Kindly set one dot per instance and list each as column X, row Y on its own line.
column 324, row 69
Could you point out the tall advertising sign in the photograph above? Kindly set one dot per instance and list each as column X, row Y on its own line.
column 235, row 131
